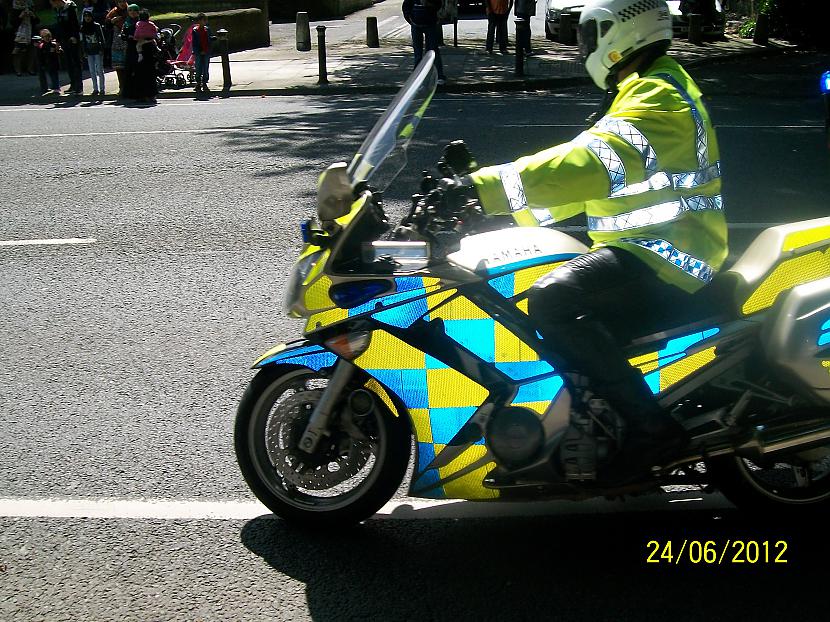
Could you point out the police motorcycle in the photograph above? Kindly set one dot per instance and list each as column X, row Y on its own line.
column 417, row 342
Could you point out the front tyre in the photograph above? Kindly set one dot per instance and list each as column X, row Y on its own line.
column 352, row 474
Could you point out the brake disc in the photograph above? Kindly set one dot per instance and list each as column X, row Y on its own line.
column 338, row 457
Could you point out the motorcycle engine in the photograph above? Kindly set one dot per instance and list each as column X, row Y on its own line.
column 590, row 440
column 515, row 436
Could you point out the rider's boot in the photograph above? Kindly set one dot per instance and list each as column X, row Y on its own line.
column 652, row 436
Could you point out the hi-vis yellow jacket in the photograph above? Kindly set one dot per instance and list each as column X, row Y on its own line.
column 647, row 176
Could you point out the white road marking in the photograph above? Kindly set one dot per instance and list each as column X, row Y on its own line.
column 52, row 242
column 406, row 509
column 159, row 508
column 685, row 500
column 228, row 130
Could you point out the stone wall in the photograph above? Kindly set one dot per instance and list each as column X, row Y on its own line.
column 286, row 10
column 247, row 28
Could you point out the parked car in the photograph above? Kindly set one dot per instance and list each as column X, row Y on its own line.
column 712, row 28
column 555, row 8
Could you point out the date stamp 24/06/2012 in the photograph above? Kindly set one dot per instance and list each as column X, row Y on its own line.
column 675, row 552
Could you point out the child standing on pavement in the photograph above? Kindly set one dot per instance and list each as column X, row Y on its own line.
column 92, row 38
column 202, row 36
column 48, row 62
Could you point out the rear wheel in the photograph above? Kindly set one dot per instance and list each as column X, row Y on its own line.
column 353, row 472
column 795, row 484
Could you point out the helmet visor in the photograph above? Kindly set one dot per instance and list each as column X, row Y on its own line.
column 588, row 38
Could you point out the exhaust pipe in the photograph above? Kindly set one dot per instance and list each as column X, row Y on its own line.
column 773, row 442
column 765, row 442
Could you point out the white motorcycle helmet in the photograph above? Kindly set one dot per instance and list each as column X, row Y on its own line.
column 611, row 31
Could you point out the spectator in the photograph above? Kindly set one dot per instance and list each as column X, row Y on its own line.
column 100, row 8
column 69, row 35
column 202, row 36
column 144, row 76
column 92, row 37
column 118, row 9
column 24, row 20
column 145, row 31
column 525, row 9
column 497, row 13
column 422, row 16
column 6, row 39
column 118, row 53
column 48, row 62
column 130, row 53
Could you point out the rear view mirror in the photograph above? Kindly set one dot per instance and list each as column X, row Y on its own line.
column 334, row 192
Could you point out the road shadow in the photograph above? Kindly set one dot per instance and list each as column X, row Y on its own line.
column 322, row 130
column 550, row 568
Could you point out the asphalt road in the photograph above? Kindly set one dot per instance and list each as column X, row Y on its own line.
column 121, row 362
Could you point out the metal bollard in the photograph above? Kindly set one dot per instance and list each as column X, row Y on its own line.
column 761, row 36
column 303, row 33
column 222, row 35
column 521, row 25
column 372, row 37
column 695, row 28
column 321, row 55
column 455, row 34
column 566, row 30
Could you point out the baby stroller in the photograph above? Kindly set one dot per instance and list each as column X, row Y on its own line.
column 175, row 68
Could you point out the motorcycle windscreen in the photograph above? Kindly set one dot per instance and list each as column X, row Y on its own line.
column 383, row 154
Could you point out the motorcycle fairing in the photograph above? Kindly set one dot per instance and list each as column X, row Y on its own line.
column 515, row 285
column 442, row 396
column 679, row 358
column 313, row 356
column 404, row 288
column 780, row 259
column 805, row 268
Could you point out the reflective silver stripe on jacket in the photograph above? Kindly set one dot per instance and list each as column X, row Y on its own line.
column 689, row 264
column 661, row 181
column 609, row 158
column 513, row 187
column 655, row 214
column 633, row 137
column 543, row 217
column 702, row 142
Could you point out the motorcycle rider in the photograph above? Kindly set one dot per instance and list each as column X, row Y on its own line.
column 647, row 176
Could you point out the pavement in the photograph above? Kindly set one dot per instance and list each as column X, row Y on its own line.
column 280, row 69
column 143, row 262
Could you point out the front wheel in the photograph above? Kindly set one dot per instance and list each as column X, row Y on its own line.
column 354, row 471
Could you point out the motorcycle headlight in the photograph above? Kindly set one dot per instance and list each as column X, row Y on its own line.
column 299, row 273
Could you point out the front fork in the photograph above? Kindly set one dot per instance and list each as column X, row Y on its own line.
column 318, row 423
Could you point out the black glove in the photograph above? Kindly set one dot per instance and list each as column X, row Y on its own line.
column 457, row 195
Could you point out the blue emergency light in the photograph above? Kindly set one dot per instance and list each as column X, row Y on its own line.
column 825, row 83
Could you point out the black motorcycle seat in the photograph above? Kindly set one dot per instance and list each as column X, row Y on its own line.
column 716, row 302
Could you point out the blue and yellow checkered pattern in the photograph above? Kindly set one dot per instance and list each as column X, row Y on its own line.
column 473, row 329
column 668, row 366
column 392, row 312
column 516, row 284
column 440, row 401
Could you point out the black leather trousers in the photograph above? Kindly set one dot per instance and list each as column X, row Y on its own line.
column 588, row 309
